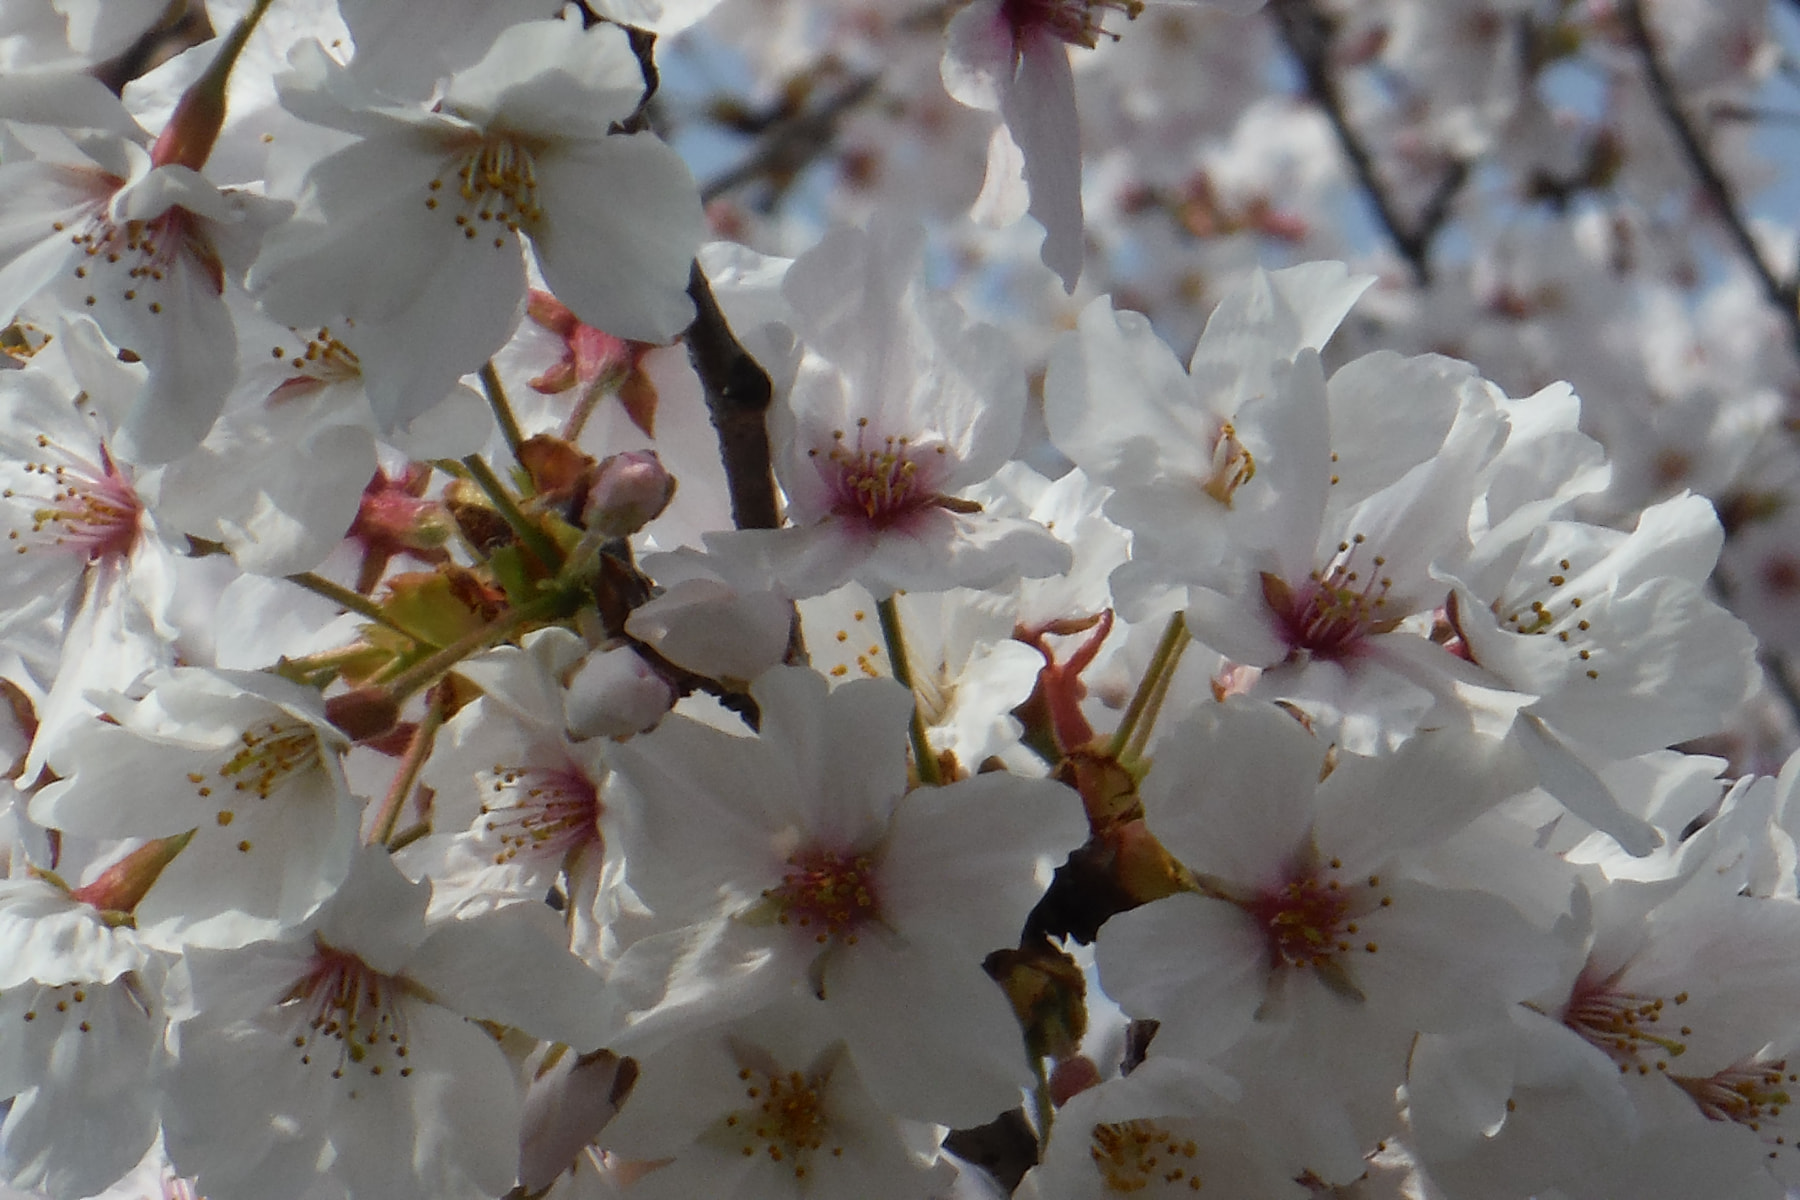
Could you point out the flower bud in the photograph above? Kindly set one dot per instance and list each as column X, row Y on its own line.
column 119, row 888
column 629, row 491
column 363, row 714
column 615, row 693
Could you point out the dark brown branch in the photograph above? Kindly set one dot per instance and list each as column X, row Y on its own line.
column 1307, row 34
column 1781, row 295
column 179, row 26
column 738, row 394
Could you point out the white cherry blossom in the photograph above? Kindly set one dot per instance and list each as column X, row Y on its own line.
column 413, row 231
column 796, row 860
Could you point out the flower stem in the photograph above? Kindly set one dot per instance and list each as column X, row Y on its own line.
column 356, row 602
column 888, row 611
column 1151, row 688
column 503, row 413
column 427, row 670
column 193, row 128
column 535, row 539
column 407, row 778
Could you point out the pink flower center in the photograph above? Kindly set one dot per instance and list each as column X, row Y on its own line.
column 879, row 484
column 1624, row 1025
column 79, row 506
column 146, row 253
column 1330, row 614
column 342, row 999
column 543, row 814
column 1747, row 1092
column 1311, row 919
column 827, row 893
column 1076, row 22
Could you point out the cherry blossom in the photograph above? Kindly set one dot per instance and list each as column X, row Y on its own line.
column 900, row 403
column 441, row 198
column 796, row 861
column 354, row 1031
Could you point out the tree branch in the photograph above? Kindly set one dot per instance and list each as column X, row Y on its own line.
column 1307, row 34
column 738, row 395
column 1781, row 295
column 791, row 142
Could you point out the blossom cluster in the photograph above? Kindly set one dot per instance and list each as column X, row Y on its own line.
column 513, row 690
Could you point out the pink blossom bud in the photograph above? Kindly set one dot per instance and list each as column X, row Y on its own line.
column 629, row 491
column 199, row 116
column 119, row 888
column 363, row 714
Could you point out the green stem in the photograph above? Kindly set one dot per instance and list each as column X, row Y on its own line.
column 408, row 836
column 427, row 670
column 193, row 128
column 535, row 539
column 356, row 602
column 1140, row 737
column 1167, row 654
column 503, row 413
column 394, row 803
column 889, row 612
column 591, row 395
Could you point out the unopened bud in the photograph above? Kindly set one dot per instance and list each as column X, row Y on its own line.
column 629, row 491
column 122, row 885
column 615, row 693
column 188, row 139
column 363, row 714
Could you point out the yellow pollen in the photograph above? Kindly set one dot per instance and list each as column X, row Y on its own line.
column 786, row 1120
column 1132, row 1155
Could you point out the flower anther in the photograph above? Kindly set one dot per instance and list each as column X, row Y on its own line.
column 1310, row 920
column 323, row 359
column 342, row 999
column 1076, row 22
column 1330, row 615
column 1624, row 1025
column 785, row 1120
column 1552, row 613
column 879, row 483
column 147, row 252
column 829, row 894
column 1133, row 1156
column 265, row 759
column 86, row 508
column 1232, row 466
column 492, row 184
column 541, row 813
column 1747, row 1092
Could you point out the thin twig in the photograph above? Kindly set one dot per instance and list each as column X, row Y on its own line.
column 738, row 395
column 407, row 778
column 791, row 143
column 924, row 761
column 643, row 45
column 357, row 603
column 504, row 627
column 1307, row 34
column 1782, row 296
column 530, row 535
